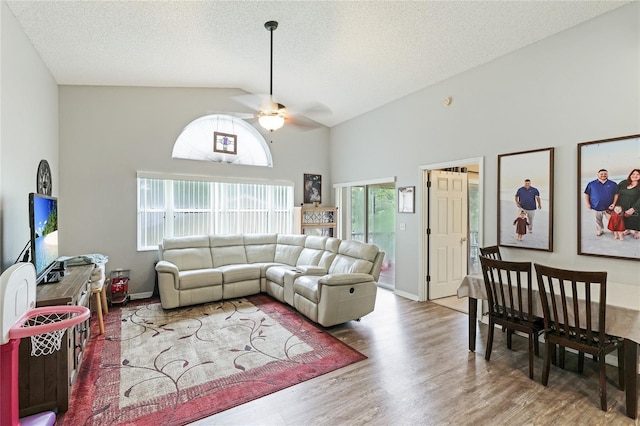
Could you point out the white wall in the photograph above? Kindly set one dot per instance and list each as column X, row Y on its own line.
column 28, row 132
column 107, row 134
column 577, row 86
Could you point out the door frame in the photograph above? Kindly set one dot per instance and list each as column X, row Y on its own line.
column 423, row 290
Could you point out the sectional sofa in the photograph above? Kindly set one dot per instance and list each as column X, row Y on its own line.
column 328, row 280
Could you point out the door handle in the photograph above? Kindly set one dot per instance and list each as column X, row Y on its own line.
column 463, row 239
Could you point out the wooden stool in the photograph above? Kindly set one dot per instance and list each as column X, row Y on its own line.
column 101, row 303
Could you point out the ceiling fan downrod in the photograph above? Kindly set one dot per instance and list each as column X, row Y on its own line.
column 273, row 118
column 271, row 26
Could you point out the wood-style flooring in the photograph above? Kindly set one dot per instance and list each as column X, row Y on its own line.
column 419, row 371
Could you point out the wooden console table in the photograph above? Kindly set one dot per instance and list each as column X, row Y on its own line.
column 45, row 381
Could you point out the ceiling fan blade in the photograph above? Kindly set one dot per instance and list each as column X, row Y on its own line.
column 314, row 108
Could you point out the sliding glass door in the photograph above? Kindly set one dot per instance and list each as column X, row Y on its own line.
column 373, row 217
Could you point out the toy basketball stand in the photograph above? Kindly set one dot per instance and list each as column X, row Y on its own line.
column 119, row 287
column 20, row 318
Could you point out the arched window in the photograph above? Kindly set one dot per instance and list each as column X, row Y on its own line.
column 196, row 142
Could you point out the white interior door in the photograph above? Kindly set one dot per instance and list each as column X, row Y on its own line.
column 448, row 232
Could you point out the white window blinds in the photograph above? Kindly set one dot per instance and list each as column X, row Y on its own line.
column 182, row 207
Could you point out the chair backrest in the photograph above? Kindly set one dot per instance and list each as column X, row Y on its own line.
column 509, row 289
column 491, row 252
column 560, row 290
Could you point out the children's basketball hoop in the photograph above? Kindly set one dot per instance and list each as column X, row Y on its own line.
column 19, row 318
column 47, row 325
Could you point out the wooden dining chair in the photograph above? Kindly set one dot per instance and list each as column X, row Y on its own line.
column 572, row 324
column 491, row 252
column 510, row 299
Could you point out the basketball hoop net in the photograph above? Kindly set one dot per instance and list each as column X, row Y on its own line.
column 46, row 326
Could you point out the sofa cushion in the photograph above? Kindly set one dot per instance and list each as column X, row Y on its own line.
column 307, row 286
column 236, row 273
column 276, row 273
column 330, row 250
column 288, row 248
column 260, row 248
column 354, row 256
column 199, row 278
column 227, row 250
column 312, row 251
column 187, row 253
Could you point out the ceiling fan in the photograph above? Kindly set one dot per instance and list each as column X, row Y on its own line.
column 271, row 114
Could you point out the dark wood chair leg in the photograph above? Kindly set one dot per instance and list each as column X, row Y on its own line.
column 509, row 338
column 531, row 338
column 603, row 383
column 487, row 353
column 547, row 362
column 473, row 319
column 621, row 367
column 580, row 362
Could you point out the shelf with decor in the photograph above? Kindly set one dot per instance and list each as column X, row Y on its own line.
column 310, row 220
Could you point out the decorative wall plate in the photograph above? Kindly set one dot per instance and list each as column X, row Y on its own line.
column 43, row 178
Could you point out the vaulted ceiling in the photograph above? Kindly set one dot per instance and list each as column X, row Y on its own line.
column 348, row 56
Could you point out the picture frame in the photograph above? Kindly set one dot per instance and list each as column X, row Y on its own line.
column 312, row 187
column 225, row 143
column 525, row 184
column 406, row 199
column 619, row 157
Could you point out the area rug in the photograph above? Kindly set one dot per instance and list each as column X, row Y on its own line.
column 157, row 367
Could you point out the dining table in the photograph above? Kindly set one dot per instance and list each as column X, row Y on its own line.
column 622, row 320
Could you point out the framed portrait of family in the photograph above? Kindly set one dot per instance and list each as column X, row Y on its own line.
column 312, row 189
column 525, row 199
column 609, row 198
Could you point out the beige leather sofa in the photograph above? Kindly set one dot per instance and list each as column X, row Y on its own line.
column 328, row 280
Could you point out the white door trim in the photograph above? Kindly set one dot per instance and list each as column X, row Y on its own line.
column 422, row 278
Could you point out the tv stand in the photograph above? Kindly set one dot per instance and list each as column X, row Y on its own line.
column 56, row 273
column 45, row 381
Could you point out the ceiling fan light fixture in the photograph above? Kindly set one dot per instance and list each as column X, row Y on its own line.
column 271, row 121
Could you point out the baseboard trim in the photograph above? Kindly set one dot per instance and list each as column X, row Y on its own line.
column 145, row 295
column 406, row 295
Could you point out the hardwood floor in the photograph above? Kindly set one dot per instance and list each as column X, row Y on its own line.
column 419, row 371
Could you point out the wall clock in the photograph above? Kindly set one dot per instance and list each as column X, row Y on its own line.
column 43, row 178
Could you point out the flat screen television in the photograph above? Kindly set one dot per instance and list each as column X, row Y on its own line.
column 43, row 221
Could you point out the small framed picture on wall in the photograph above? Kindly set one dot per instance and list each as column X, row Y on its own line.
column 225, row 143
column 406, row 199
column 312, row 188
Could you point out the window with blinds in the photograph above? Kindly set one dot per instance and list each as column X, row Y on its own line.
column 183, row 207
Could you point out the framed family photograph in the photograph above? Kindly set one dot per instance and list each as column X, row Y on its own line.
column 312, row 188
column 609, row 198
column 406, row 199
column 525, row 199
column 225, row 143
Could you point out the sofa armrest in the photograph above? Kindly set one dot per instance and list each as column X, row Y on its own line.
column 165, row 267
column 311, row 270
column 345, row 279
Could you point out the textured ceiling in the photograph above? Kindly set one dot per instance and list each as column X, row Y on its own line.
column 349, row 56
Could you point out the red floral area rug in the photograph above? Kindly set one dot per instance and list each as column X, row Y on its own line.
column 157, row 367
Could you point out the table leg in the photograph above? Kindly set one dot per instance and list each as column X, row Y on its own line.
column 473, row 319
column 631, row 377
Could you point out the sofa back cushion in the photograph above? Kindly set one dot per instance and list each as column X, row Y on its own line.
column 354, row 257
column 187, row 253
column 312, row 251
column 260, row 248
column 330, row 252
column 227, row 250
column 288, row 248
